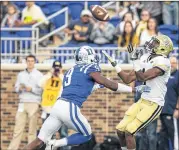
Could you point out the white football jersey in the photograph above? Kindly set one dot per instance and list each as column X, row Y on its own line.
column 158, row 84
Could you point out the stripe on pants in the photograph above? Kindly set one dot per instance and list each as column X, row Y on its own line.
column 76, row 121
column 82, row 125
column 151, row 118
column 71, row 116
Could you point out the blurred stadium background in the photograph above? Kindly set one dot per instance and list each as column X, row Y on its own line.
column 104, row 108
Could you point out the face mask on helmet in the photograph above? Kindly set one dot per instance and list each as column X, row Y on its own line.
column 86, row 55
column 97, row 58
column 151, row 45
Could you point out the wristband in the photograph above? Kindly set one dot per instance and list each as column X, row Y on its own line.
column 124, row 88
column 117, row 68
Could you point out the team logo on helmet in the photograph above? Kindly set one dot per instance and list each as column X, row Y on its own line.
column 86, row 55
column 160, row 44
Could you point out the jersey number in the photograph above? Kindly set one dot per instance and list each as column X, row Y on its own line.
column 54, row 83
column 68, row 77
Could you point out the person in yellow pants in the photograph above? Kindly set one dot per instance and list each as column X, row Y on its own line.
column 153, row 69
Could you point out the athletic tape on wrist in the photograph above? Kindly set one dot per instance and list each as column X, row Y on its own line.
column 124, row 88
column 117, row 68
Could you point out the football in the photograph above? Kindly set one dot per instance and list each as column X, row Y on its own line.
column 99, row 13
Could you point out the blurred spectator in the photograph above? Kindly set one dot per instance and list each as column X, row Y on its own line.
column 31, row 14
column 128, row 36
column 51, row 83
column 134, row 7
column 30, row 96
column 4, row 5
column 154, row 8
column 152, row 30
column 11, row 16
column 127, row 17
column 102, row 33
column 170, row 110
column 170, row 12
column 145, row 15
column 80, row 29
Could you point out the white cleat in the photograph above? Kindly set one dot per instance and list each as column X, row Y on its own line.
column 51, row 145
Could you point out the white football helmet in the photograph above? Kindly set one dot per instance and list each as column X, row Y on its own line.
column 86, row 55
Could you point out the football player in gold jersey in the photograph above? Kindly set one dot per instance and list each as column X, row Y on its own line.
column 153, row 69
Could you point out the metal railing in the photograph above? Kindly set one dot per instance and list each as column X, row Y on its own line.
column 65, row 54
column 64, row 10
column 14, row 44
column 18, row 43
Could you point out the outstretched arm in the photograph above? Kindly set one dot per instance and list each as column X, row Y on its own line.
column 117, row 86
column 126, row 77
column 110, row 84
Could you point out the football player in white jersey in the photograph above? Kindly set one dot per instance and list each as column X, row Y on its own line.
column 153, row 69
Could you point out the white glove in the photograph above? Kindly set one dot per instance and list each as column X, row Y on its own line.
column 143, row 88
column 112, row 61
column 97, row 86
column 133, row 52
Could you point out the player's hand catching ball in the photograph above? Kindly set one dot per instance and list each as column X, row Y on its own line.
column 134, row 53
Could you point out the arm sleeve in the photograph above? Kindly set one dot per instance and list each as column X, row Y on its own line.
column 161, row 64
column 92, row 68
column 43, row 80
column 17, row 84
column 36, row 89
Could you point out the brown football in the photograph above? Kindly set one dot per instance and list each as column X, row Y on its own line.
column 99, row 13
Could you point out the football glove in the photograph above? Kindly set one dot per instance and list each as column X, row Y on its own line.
column 143, row 88
column 133, row 52
column 112, row 61
column 97, row 86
